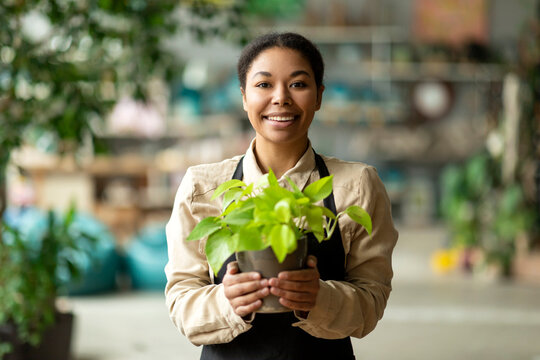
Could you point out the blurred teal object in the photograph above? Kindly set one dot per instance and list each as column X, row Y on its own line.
column 29, row 221
column 146, row 257
column 98, row 269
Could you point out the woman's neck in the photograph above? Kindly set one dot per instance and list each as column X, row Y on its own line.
column 278, row 157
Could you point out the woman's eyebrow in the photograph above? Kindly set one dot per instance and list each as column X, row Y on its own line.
column 263, row 73
column 293, row 74
column 300, row 72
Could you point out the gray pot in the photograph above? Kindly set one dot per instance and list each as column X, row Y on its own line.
column 265, row 263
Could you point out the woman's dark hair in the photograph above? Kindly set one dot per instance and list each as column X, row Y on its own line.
column 287, row 40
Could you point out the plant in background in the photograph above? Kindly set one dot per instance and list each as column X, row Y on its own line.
column 482, row 212
column 30, row 275
column 64, row 63
column 463, row 191
column 256, row 217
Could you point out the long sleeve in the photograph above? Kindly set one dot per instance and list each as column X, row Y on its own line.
column 197, row 307
column 354, row 306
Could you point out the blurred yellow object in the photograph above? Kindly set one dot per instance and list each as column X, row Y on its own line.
column 444, row 261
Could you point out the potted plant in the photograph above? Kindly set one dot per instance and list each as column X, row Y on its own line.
column 485, row 216
column 267, row 218
column 31, row 324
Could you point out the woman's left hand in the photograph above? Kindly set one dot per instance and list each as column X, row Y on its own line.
column 297, row 289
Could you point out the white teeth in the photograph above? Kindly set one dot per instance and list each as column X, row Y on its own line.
column 280, row 118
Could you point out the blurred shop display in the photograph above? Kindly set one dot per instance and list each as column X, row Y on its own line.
column 130, row 117
column 492, row 202
column 38, row 265
column 468, row 20
column 65, row 64
column 146, row 257
column 487, row 201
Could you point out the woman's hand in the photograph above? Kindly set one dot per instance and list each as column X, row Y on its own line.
column 244, row 290
column 297, row 289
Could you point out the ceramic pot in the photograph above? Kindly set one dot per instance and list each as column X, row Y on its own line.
column 266, row 263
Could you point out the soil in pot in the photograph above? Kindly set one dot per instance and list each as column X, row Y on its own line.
column 266, row 263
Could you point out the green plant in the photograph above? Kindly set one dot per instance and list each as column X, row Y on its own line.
column 482, row 212
column 64, row 63
column 266, row 214
column 29, row 275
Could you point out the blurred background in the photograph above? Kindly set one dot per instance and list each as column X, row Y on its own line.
column 104, row 105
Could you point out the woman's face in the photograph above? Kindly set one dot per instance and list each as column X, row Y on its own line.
column 281, row 96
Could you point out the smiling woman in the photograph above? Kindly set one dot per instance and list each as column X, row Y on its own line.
column 344, row 288
column 280, row 97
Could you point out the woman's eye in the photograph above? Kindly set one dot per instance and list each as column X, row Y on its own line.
column 263, row 85
column 298, row 84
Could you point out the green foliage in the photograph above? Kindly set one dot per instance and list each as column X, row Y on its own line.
column 29, row 278
column 64, row 63
column 255, row 217
column 483, row 212
column 279, row 8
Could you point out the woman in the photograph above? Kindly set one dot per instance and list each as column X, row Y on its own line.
column 344, row 290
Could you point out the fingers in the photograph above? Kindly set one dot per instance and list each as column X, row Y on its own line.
column 244, row 290
column 311, row 261
column 297, row 289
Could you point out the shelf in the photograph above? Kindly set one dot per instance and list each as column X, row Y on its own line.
column 377, row 71
column 346, row 34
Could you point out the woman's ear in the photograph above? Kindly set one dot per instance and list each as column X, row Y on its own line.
column 243, row 98
column 319, row 97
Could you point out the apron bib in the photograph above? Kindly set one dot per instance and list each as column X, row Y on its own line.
column 272, row 335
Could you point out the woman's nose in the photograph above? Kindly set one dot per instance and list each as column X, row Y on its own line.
column 281, row 96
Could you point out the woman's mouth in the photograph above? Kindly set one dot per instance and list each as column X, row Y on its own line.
column 279, row 118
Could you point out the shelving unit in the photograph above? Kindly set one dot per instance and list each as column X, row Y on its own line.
column 368, row 112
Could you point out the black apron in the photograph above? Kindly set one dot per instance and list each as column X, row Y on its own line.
column 272, row 335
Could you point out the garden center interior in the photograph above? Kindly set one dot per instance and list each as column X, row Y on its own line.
column 104, row 109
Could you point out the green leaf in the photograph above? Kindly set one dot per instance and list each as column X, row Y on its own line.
column 219, row 246
column 272, row 195
column 250, row 239
column 242, row 205
column 226, row 186
column 239, row 217
column 315, row 220
column 297, row 192
column 272, row 180
column 361, row 216
column 205, row 227
column 282, row 240
column 264, row 217
column 328, row 213
column 320, row 189
column 283, row 211
column 231, row 195
column 248, row 190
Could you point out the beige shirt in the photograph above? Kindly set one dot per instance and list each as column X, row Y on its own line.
column 352, row 307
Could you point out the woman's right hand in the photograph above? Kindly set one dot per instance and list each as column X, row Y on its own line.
column 244, row 290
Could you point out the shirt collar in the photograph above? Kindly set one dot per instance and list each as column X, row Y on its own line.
column 299, row 173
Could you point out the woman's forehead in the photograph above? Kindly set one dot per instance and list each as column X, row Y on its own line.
column 279, row 58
